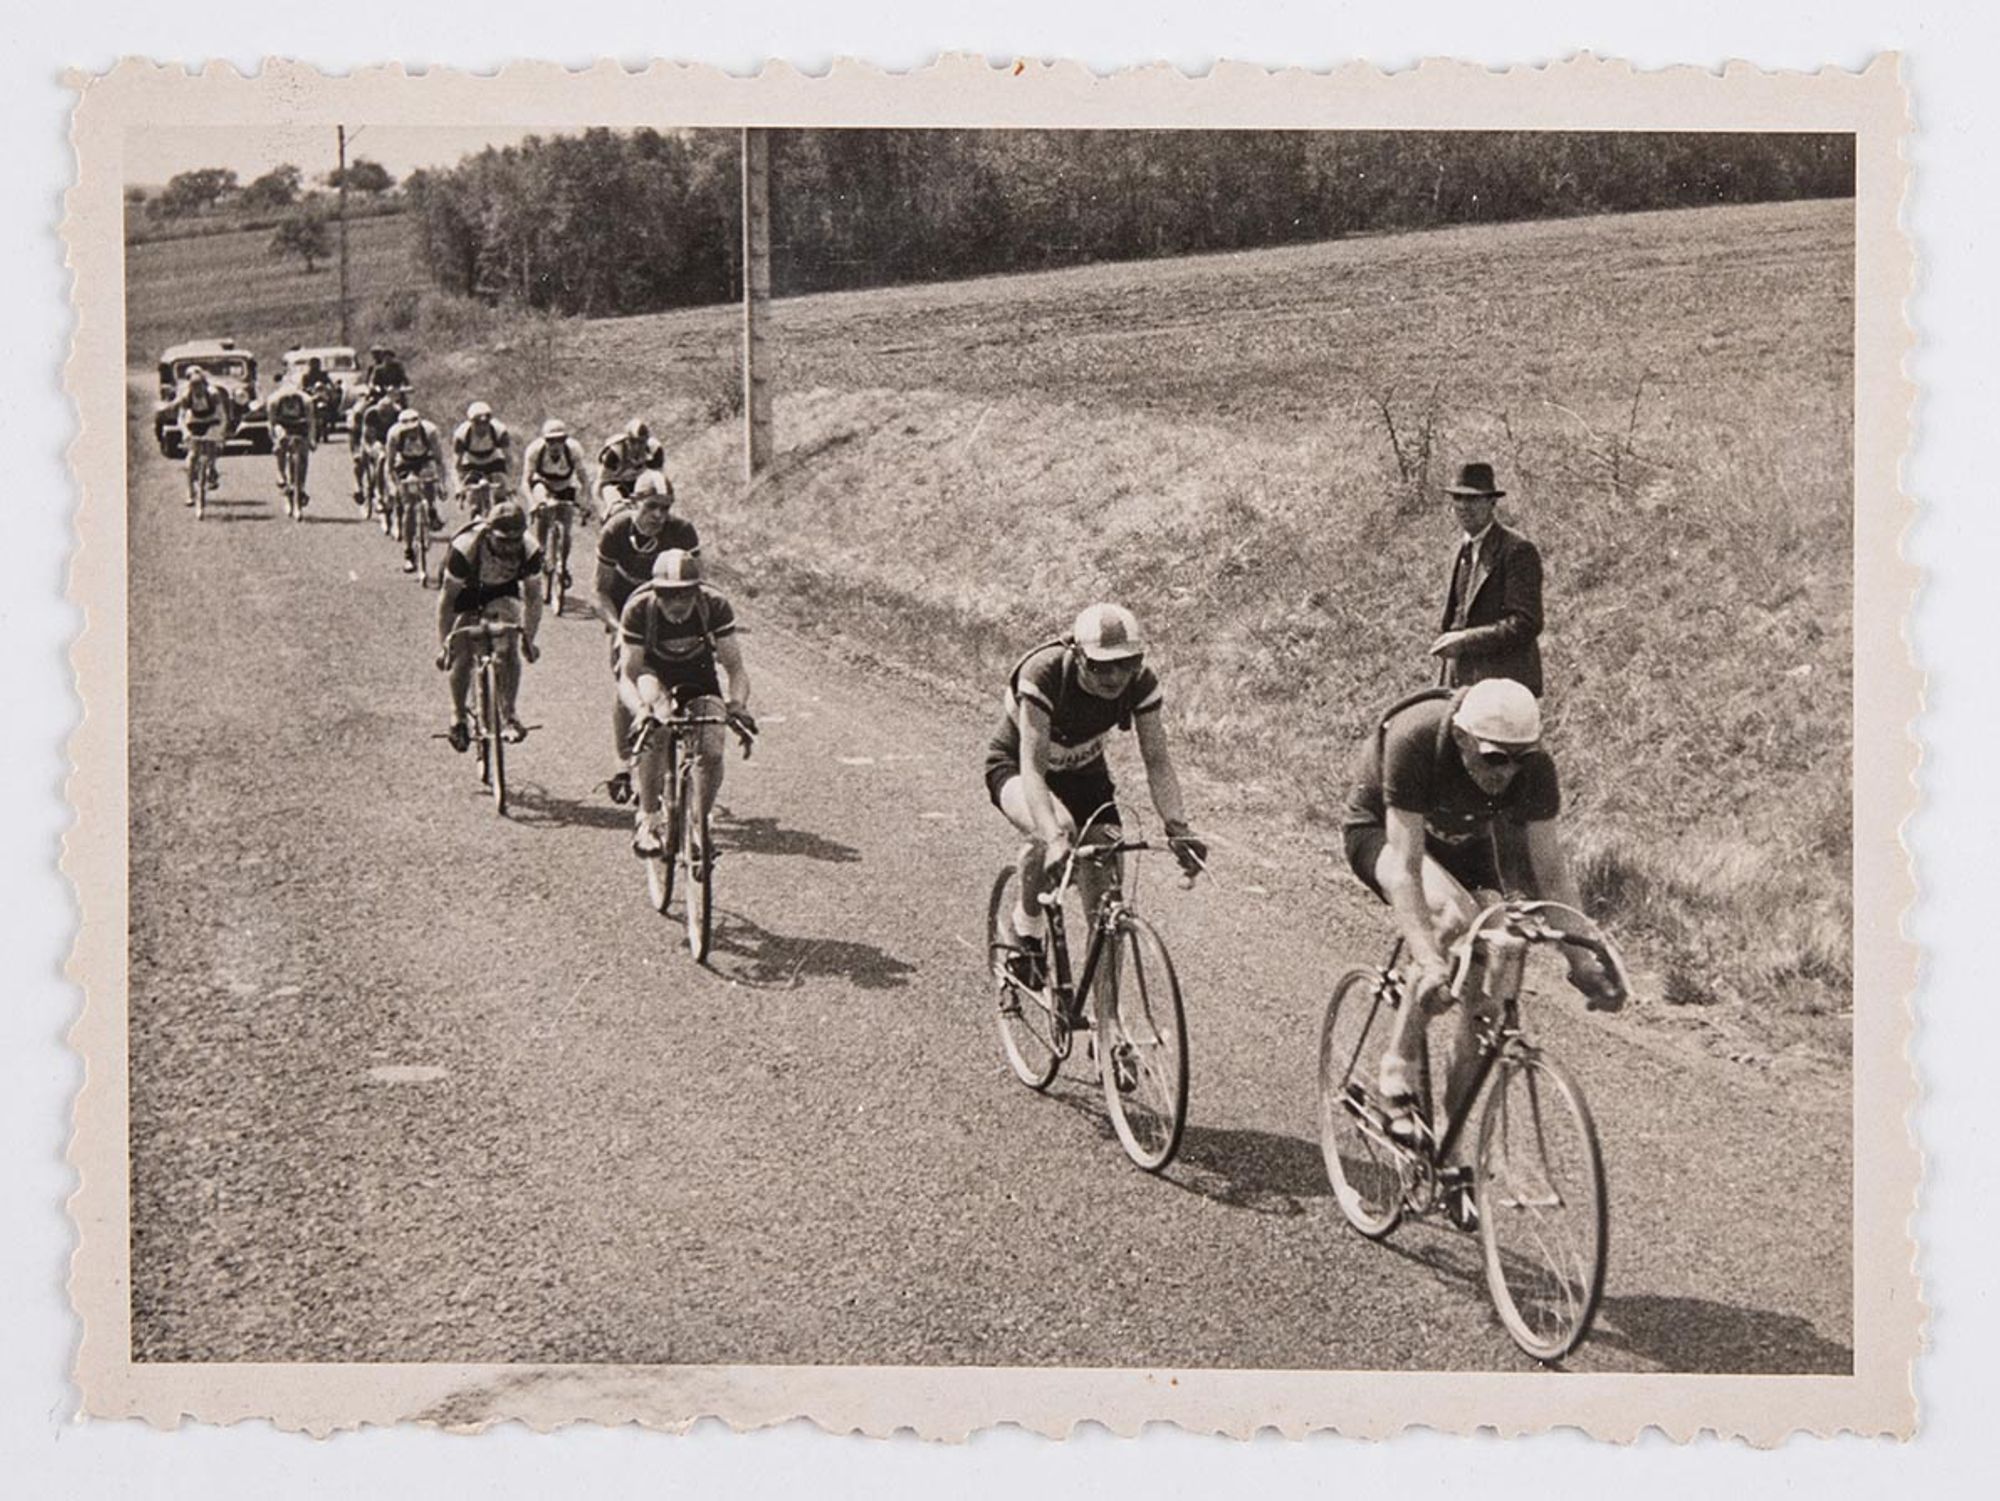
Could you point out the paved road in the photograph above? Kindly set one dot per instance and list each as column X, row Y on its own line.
column 412, row 1083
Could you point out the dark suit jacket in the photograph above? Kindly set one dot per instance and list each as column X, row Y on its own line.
column 1505, row 615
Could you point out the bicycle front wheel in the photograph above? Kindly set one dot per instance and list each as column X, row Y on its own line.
column 1362, row 1164
column 1027, row 1027
column 1142, row 1045
column 1544, row 1219
column 695, row 852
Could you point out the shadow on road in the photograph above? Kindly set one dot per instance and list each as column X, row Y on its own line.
column 756, row 957
column 1255, row 1170
column 763, row 836
column 334, row 519
column 533, row 806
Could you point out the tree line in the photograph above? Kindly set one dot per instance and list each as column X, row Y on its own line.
column 607, row 223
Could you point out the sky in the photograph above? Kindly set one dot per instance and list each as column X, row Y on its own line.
column 155, row 155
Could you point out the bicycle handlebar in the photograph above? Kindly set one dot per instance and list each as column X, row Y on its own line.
column 1530, row 921
column 642, row 732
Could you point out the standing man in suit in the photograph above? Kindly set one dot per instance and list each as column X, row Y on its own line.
column 1493, row 607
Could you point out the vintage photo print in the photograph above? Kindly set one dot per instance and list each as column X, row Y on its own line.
column 994, row 746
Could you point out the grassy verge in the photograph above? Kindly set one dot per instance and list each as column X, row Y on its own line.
column 1244, row 448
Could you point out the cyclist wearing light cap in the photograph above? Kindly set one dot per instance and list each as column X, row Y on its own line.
column 1425, row 789
column 628, row 547
column 487, row 576
column 480, row 448
column 1045, row 766
column 674, row 633
column 621, row 463
column 202, row 411
column 553, row 469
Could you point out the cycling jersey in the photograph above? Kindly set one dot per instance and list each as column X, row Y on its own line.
column 291, row 411
column 555, row 465
column 376, row 420
column 1079, row 720
column 629, row 552
column 201, row 407
column 481, row 574
column 387, row 375
column 412, row 445
column 678, row 652
column 624, row 459
column 481, row 446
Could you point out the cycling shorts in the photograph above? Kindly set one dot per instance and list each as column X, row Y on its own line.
column 492, row 464
column 1081, row 790
column 200, row 427
column 683, row 682
column 1470, row 862
column 406, row 468
column 506, row 610
column 549, row 493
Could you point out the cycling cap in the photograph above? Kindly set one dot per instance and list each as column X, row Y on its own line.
column 554, row 428
column 508, row 519
column 195, row 372
column 637, row 428
column 652, row 483
column 1108, row 633
column 477, row 410
column 674, row 569
column 408, row 414
column 1499, row 712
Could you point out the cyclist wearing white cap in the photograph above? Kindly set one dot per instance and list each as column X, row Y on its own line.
column 203, row 413
column 623, row 460
column 553, row 471
column 480, row 447
column 674, row 633
column 1426, row 787
column 490, row 574
column 629, row 545
column 1045, row 766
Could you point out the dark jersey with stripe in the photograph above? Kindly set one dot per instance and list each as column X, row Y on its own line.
column 676, row 649
column 1413, row 763
column 629, row 553
column 1079, row 720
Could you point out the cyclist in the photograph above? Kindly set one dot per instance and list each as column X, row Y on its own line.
column 290, row 413
column 480, row 449
column 1425, row 789
column 675, row 632
column 203, row 411
column 386, row 375
column 488, row 575
column 324, row 394
column 1045, row 765
column 623, row 460
column 553, row 471
column 368, row 440
column 414, row 449
column 631, row 543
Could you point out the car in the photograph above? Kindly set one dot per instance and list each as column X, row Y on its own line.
column 231, row 368
column 339, row 361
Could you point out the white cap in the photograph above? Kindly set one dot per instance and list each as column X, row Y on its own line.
column 1499, row 713
column 1108, row 633
column 650, row 483
column 477, row 410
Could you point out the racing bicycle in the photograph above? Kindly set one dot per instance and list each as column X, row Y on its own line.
column 1536, row 1187
column 1137, row 1026
column 555, row 520
column 685, row 849
column 203, row 475
column 489, row 730
column 479, row 491
column 414, row 493
column 292, row 473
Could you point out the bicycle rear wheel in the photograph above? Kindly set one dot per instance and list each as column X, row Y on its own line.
column 1544, row 1218
column 420, row 537
column 1142, row 1045
column 661, row 868
column 1362, row 1164
column 1028, row 1028
column 496, row 742
column 695, row 851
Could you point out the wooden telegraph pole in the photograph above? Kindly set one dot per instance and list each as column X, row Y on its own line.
column 340, row 189
column 756, row 302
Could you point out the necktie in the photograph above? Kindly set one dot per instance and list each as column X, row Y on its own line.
column 1462, row 585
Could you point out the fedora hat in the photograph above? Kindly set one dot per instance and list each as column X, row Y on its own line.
column 1475, row 479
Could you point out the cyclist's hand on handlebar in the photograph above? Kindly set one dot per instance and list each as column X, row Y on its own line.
column 1598, row 984
column 1057, row 850
column 443, row 659
column 1189, row 849
column 531, row 652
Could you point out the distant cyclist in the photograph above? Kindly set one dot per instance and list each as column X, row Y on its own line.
column 627, row 550
column 203, row 412
column 622, row 461
column 369, row 440
column 1045, row 765
column 386, row 375
column 323, row 392
column 414, row 449
column 1426, row 787
column 290, row 414
column 480, row 450
column 489, row 574
column 554, row 474
column 675, row 633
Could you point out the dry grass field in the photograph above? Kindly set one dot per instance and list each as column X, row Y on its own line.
column 1244, row 448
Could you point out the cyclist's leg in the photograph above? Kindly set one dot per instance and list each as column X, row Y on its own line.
column 1451, row 909
column 1030, row 871
column 711, row 744
column 649, row 772
column 460, row 675
column 507, row 659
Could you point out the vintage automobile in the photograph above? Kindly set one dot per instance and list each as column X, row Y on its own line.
column 235, row 371
column 340, row 362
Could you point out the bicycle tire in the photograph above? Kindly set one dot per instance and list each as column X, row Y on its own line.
column 666, row 865
column 1142, row 1035
column 700, row 869
column 1362, row 1165
column 1547, row 1296
column 420, row 538
column 1027, row 1034
column 490, row 692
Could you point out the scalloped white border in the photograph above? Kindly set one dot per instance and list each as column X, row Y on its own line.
column 1577, row 93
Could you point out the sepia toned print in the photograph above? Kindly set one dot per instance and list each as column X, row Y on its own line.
column 989, row 747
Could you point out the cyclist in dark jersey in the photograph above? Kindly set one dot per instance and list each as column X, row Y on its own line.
column 1045, row 766
column 1425, row 788
column 674, row 633
column 627, row 548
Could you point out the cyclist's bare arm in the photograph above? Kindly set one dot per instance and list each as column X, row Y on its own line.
column 1555, row 882
column 606, row 584
column 1401, row 874
column 729, row 656
column 1161, row 778
column 531, row 613
column 448, row 592
column 1033, row 720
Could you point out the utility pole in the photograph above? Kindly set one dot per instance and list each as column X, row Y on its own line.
column 756, row 302
column 340, row 189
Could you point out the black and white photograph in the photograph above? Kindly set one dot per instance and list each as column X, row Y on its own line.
column 1050, row 749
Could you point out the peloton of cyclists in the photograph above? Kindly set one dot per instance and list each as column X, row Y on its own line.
column 628, row 548
column 675, row 632
column 202, row 410
column 489, row 574
column 1427, row 784
column 480, row 450
column 622, row 461
column 414, row 449
column 1046, row 770
column 290, row 412
column 554, row 473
